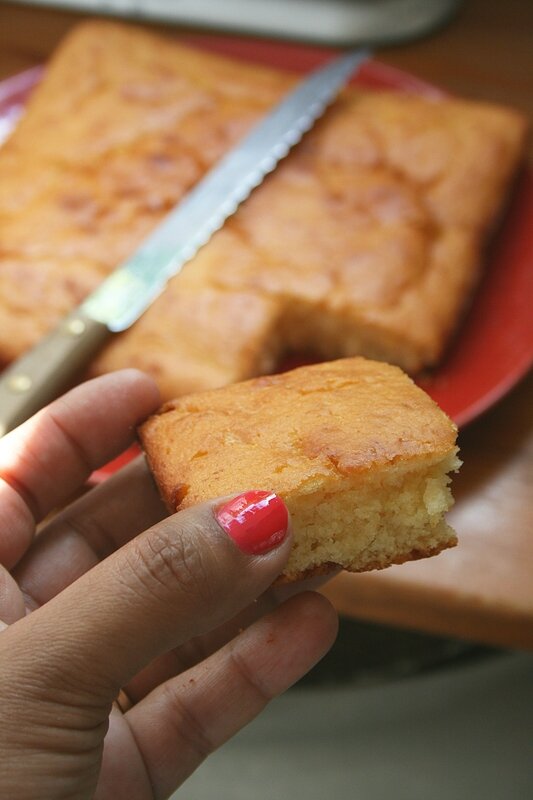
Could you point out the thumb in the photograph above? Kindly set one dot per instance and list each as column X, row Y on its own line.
column 179, row 579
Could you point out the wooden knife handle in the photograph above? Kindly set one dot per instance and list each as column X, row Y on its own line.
column 50, row 368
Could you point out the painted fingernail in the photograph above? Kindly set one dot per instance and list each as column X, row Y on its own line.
column 256, row 521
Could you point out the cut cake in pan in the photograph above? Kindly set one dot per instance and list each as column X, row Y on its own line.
column 366, row 240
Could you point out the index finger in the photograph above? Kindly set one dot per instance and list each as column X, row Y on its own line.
column 46, row 459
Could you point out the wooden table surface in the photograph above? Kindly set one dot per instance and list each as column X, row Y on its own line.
column 482, row 589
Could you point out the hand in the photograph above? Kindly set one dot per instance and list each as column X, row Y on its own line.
column 99, row 603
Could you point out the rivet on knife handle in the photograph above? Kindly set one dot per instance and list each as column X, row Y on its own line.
column 49, row 368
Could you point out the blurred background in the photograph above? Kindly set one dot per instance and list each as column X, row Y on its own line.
column 339, row 22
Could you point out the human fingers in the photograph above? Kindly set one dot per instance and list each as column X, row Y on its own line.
column 87, row 531
column 46, row 459
column 177, row 580
column 97, row 524
column 198, row 711
column 11, row 599
column 196, row 650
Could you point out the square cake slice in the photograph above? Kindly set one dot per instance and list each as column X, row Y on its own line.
column 357, row 451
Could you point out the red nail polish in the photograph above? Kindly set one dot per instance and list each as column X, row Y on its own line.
column 256, row 521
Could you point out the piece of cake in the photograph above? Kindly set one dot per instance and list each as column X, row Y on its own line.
column 366, row 240
column 357, row 451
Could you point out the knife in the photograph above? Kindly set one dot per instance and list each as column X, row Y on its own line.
column 59, row 358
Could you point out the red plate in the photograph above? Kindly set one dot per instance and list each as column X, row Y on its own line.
column 493, row 349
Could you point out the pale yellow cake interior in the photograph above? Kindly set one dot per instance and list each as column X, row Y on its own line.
column 368, row 522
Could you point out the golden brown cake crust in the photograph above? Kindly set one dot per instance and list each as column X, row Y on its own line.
column 309, row 435
column 330, row 568
column 282, row 432
column 367, row 239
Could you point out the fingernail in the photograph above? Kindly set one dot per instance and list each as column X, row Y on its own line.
column 256, row 521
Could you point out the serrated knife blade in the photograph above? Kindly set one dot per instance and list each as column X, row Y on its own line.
column 51, row 366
